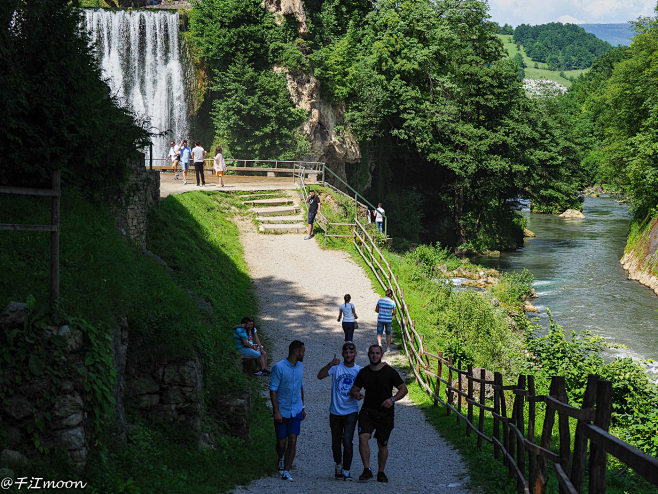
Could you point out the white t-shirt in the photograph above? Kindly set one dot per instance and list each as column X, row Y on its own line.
column 251, row 336
column 342, row 380
column 198, row 152
column 172, row 153
column 220, row 164
column 177, row 152
column 379, row 218
column 348, row 312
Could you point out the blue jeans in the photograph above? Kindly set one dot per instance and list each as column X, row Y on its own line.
column 348, row 329
column 380, row 226
column 342, row 432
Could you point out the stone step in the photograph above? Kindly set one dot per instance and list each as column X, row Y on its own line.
column 276, row 210
column 275, row 201
column 279, row 219
column 282, row 228
column 263, row 194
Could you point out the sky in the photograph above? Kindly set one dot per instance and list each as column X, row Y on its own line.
column 517, row 12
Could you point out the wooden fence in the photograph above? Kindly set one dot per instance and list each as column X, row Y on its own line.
column 54, row 193
column 475, row 395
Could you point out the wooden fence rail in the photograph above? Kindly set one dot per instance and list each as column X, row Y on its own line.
column 515, row 442
column 54, row 227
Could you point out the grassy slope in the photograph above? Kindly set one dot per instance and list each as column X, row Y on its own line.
column 486, row 473
column 542, row 72
column 104, row 276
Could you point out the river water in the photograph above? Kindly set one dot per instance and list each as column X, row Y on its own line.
column 578, row 276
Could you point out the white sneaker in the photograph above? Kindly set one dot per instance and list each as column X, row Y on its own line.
column 388, row 350
column 185, row 182
column 307, row 237
column 285, row 475
column 282, row 465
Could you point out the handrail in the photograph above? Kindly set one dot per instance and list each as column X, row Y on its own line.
column 514, row 440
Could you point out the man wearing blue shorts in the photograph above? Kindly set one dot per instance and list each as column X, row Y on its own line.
column 287, row 395
column 386, row 311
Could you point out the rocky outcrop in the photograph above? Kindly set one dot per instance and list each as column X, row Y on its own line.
column 640, row 259
column 330, row 141
column 282, row 8
column 572, row 213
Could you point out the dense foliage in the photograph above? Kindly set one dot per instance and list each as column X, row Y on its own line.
column 561, row 46
column 57, row 112
column 239, row 42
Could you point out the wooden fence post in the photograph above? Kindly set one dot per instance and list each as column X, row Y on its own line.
column 547, row 431
column 448, row 390
column 483, row 375
column 580, row 440
column 498, row 382
column 532, row 458
column 459, row 388
column 563, row 429
column 597, row 458
column 503, row 413
column 469, row 402
column 520, row 447
column 54, row 240
column 439, row 368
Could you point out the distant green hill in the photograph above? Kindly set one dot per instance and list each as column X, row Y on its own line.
column 615, row 34
column 538, row 70
column 560, row 46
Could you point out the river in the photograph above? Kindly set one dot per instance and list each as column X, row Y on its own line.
column 578, row 276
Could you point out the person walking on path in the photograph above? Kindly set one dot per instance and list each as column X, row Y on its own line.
column 287, row 395
column 379, row 217
column 378, row 412
column 348, row 313
column 385, row 310
column 313, row 201
column 199, row 155
column 174, row 157
column 343, row 410
column 219, row 165
column 185, row 154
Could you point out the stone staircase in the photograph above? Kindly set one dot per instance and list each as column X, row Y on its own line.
column 275, row 211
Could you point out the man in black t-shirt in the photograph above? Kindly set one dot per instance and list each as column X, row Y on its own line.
column 313, row 208
column 377, row 411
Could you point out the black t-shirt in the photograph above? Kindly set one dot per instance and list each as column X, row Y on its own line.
column 313, row 204
column 379, row 386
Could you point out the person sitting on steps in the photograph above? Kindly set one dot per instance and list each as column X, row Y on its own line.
column 244, row 343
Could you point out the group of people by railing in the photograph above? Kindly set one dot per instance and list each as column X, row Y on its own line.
column 181, row 154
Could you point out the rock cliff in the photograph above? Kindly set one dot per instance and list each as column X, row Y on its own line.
column 641, row 259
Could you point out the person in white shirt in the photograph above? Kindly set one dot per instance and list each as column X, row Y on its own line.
column 219, row 165
column 348, row 313
column 344, row 408
column 379, row 217
column 174, row 157
column 199, row 154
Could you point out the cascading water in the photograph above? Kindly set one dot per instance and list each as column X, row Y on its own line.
column 140, row 60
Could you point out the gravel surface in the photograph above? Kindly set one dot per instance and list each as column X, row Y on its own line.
column 299, row 288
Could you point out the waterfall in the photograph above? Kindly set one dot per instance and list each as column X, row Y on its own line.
column 140, row 60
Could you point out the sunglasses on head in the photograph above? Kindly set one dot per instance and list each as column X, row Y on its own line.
column 349, row 347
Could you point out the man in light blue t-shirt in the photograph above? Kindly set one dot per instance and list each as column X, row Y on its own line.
column 344, row 409
column 385, row 312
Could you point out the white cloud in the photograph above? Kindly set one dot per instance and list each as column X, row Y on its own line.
column 567, row 19
column 583, row 11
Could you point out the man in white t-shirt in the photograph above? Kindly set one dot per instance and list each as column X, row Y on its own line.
column 198, row 155
column 379, row 217
column 174, row 157
column 343, row 410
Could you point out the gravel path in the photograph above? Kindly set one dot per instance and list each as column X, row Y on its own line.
column 299, row 287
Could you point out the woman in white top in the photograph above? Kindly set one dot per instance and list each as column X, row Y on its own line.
column 348, row 313
column 220, row 165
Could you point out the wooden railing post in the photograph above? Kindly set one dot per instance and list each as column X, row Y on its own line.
column 597, row 458
column 547, row 432
column 563, row 429
column 532, row 458
column 580, row 440
column 459, row 388
column 469, row 387
column 520, row 447
column 483, row 375
column 439, row 369
column 498, row 393
column 448, row 388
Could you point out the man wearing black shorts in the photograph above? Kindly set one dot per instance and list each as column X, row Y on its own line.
column 313, row 208
column 378, row 409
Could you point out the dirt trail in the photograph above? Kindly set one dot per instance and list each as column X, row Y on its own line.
column 299, row 287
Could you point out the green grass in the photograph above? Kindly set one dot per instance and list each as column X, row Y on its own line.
column 104, row 279
column 542, row 71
